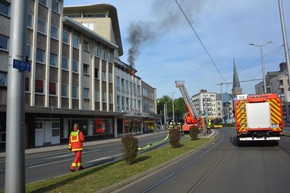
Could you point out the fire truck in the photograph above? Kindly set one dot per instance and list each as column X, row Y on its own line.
column 191, row 118
column 258, row 117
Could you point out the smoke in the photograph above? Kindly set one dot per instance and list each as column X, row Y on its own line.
column 167, row 17
column 139, row 32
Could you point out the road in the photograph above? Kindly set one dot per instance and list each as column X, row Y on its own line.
column 44, row 165
column 222, row 167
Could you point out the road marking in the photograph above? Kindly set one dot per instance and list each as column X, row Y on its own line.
column 103, row 158
column 39, row 165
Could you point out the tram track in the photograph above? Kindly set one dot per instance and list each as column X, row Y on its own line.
column 206, row 173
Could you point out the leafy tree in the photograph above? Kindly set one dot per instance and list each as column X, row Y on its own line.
column 179, row 108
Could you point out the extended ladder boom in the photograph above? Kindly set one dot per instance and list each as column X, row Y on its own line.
column 187, row 100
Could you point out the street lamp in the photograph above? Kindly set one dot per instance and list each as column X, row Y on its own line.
column 173, row 118
column 262, row 60
column 165, row 114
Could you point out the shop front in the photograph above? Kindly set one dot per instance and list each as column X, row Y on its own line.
column 131, row 122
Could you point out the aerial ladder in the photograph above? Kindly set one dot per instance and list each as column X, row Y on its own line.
column 192, row 117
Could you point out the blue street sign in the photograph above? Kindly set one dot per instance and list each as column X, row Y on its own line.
column 21, row 65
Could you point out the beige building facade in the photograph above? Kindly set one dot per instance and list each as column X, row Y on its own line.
column 74, row 75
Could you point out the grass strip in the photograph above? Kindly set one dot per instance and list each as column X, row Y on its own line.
column 99, row 177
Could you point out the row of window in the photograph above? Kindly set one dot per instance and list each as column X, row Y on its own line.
column 127, row 104
column 129, row 87
column 40, row 87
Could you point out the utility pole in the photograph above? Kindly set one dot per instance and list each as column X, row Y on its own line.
column 15, row 119
column 173, row 118
column 284, row 38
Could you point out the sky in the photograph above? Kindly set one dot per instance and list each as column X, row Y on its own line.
column 197, row 41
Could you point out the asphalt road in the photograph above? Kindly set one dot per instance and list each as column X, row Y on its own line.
column 223, row 167
column 45, row 163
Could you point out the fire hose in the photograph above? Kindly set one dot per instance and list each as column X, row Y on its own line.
column 154, row 144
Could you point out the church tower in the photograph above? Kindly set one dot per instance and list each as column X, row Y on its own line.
column 236, row 83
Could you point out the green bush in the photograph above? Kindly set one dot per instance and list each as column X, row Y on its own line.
column 193, row 132
column 129, row 148
column 174, row 137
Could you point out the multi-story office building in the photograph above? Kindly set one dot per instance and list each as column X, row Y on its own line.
column 74, row 75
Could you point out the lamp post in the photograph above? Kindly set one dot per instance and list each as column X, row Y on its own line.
column 173, row 118
column 262, row 61
column 165, row 114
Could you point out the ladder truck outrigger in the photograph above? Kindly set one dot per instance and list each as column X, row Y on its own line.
column 258, row 117
column 191, row 118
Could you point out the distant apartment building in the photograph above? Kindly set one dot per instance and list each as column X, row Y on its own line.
column 152, row 121
column 76, row 76
column 214, row 105
column 206, row 103
column 276, row 82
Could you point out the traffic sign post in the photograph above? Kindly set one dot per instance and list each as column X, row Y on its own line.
column 15, row 113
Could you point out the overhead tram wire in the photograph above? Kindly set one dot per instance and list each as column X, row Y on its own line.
column 200, row 40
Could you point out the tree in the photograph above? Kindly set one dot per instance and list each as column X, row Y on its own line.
column 179, row 107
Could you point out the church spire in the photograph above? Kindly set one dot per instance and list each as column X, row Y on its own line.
column 236, row 83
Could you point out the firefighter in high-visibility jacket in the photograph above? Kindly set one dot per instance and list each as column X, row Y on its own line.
column 76, row 139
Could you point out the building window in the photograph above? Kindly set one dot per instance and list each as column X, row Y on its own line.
column 86, row 69
column 29, row 20
column 96, row 73
column 282, row 91
column 104, row 97
column 104, row 54
column 4, row 9
column 90, row 26
column 64, row 63
column 52, row 88
column 75, row 66
column 103, row 75
column 40, row 55
column 43, row 2
column 75, row 41
column 39, row 86
column 53, row 59
column 55, row 6
column 86, row 93
column 28, row 51
column 75, row 92
column 41, row 26
column 64, row 90
column 4, row 42
column 97, row 96
column 110, row 77
column 27, row 85
column 86, row 46
column 54, row 32
column 65, row 37
column 118, row 103
column 97, row 51
column 281, row 82
column 110, row 57
column 3, row 79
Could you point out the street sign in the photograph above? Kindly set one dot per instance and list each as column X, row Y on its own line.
column 21, row 65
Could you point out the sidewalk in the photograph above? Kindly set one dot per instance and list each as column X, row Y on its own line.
column 90, row 143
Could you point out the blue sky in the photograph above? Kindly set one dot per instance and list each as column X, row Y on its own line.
column 172, row 51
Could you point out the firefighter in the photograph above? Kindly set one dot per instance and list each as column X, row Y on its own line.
column 208, row 126
column 76, row 145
